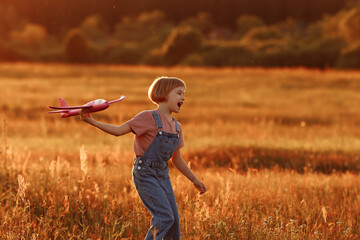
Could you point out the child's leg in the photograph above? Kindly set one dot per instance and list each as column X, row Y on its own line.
column 174, row 231
column 156, row 201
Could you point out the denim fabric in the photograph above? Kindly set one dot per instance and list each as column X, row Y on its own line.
column 152, row 181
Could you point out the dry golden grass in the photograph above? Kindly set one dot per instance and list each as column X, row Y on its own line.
column 261, row 139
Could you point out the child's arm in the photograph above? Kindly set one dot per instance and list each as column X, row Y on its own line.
column 111, row 129
column 186, row 171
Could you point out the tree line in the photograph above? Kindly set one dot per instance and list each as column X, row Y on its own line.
column 151, row 38
column 56, row 14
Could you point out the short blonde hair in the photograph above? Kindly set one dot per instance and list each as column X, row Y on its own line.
column 162, row 86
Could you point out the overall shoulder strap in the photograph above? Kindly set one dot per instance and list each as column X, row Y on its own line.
column 177, row 126
column 157, row 119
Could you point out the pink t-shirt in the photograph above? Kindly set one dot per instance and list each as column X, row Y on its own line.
column 144, row 127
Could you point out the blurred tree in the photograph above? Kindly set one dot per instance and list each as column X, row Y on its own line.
column 264, row 33
column 181, row 42
column 350, row 25
column 123, row 53
column 69, row 13
column 8, row 54
column 246, row 22
column 277, row 53
column 149, row 36
column 30, row 36
column 155, row 17
column 135, row 39
column 322, row 53
column 193, row 59
column 223, row 53
column 292, row 28
column 77, row 47
column 149, row 28
column 135, row 29
column 313, row 31
column 345, row 24
column 349, row 4
column 154, row 58
column 95, row 28
column 350, row 57
column 203, row 21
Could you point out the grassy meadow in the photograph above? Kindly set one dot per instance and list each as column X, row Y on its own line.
column 277, row 149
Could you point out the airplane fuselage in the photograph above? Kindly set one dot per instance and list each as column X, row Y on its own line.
column 95, row 107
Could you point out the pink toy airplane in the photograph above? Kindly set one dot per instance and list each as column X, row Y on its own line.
column 93, row 106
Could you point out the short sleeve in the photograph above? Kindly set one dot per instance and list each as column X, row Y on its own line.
column 181, row 138
column 141, row 123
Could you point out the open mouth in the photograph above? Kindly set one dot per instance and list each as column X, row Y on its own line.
column 179, row 104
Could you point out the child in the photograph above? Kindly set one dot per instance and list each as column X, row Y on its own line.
column 158, row 137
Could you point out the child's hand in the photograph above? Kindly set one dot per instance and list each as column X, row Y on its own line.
column 84, row 115
column 200, row 186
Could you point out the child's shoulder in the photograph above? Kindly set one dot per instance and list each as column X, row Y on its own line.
column 146, row 115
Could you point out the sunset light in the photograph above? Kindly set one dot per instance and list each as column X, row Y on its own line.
column 100, row 141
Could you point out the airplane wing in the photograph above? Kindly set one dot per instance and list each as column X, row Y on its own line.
column 69, row 108
column 60, row 111
column 121, row 98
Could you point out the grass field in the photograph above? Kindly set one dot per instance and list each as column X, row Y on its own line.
column 277, row 149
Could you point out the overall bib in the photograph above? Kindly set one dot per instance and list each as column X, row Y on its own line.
column 152, row 181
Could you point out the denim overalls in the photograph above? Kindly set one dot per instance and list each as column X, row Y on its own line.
column 152, row 181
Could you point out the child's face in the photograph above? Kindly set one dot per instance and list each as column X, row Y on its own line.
column 175, row 99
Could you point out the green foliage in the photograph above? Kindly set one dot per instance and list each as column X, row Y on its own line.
column 128, row 53
column 155, row 18
column 95, row 28
column 181, row 42
column 222, row 54
column 350, row 25
column 77, row 47
column 50, row 54
column 31, row 36
column 322, row 53
column 150, row 38
column 277, row 53
column 203, row 22
column 345, row 25
column 149, row 28
column 264, row 33
column 225, row 12
column 9, row 54
column 350, row 57
column 314, row 31
column 154, row 58
column 194, row 59
column 292, row 28
column 247, row 22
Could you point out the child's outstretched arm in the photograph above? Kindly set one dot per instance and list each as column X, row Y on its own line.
column 186, row 171
column 111, row 129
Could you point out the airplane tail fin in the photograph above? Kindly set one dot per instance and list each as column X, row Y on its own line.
column 63, row 104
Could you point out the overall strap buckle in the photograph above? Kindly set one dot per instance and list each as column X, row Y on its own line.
column 137, row 160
